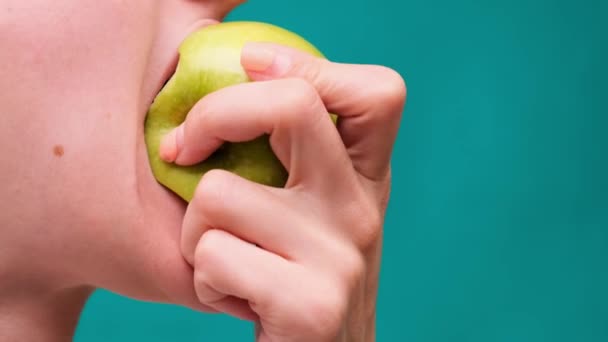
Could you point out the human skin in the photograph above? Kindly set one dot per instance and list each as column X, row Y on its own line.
column 81, row 209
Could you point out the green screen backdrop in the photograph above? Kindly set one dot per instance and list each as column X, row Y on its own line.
column 497, row 229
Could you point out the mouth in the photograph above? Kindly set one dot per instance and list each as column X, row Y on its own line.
column 170, row 67
column 168, row 72
column 166, row 68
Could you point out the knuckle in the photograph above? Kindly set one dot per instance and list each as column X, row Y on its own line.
column 211, row 194
column 206, row 254
column 303, row 102
column 392, row 90
column 310, row 68
column 207, row 260
column 204, row 291
column 326, row 315
column 370, row 229
column 352, row 268
column 367, row 225
column 198, row 115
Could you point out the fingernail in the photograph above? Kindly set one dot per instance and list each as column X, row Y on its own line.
column 172, row 144
column 261, row 57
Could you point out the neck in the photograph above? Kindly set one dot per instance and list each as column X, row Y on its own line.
column 51, row 316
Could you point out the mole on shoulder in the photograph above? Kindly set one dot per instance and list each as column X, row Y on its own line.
column 58, row 150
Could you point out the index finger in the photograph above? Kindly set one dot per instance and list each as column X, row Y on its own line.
column 368, row 99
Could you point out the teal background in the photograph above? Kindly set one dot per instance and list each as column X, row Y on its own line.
column 497, row 228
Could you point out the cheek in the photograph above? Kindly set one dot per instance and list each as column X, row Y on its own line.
column 73, row 88
column 67, row 48
column 70, row 81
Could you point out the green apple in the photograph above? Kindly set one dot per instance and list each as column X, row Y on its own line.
column 209, row 60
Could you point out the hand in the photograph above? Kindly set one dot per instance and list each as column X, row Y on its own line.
column 302, row 261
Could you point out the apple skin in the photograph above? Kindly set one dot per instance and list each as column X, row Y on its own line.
column 209, row 59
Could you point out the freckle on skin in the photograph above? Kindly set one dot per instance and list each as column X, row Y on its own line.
column 58, row 150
